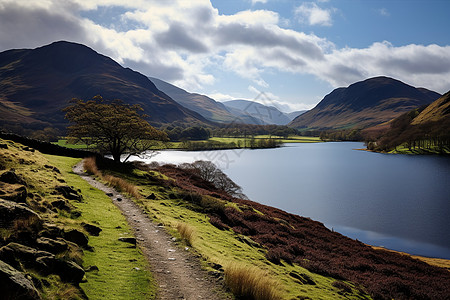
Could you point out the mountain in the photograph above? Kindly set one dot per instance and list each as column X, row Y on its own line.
column 204, row 105
column 435, row 112
column 262, row 113
column 424, row 130
column 295, row 114
column 364, row 104
column 35, row 84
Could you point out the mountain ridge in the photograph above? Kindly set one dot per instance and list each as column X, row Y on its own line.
column 364, row 104
column 43, row 80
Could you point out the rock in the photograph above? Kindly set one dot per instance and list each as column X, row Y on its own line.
column 151, row 196
column 16, row 255
column 61, row 204
column 51, row 245
column 91, row 229
column 14, row 284
column 13, row 192
column 11, row 211
column 12, row 178
column 91, row 268
column 77, row 237
column 52, row 168
column 67, row 270
column 129, row 240
column 68, row 192
column 51, row 231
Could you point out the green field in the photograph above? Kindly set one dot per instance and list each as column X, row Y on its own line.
column 225, row 142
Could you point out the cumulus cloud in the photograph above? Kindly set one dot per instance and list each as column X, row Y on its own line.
column 181, row 41
column 310, row 13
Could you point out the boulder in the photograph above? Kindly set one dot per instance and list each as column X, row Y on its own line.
column 77, row 237
column 129, row 240
column 16, row 254
column 12, row 178
column 68, row 192
column 91, row 229
column 61, row 204
column 152, row 196
column 13, row 192
column 67, row 270
column 14, row 284
column 51, row 245
column 51, row 231
column 11, row 211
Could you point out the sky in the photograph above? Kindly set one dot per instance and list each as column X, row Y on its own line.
column 285, row 53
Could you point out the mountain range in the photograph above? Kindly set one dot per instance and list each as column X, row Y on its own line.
column 35, row 84
column 233, row 111
column 364, row 104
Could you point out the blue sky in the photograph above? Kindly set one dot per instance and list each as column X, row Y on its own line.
column 295, row 52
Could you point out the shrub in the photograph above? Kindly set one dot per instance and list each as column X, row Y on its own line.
column 187, row 232
column 251, row 283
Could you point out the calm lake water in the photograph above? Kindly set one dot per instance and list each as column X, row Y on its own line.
column 396, row 201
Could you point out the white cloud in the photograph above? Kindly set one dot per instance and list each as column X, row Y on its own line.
column 310, row 13
column 179, row 41
column 384, row 12
column 259, row 1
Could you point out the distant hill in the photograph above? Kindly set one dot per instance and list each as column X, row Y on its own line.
column 435, row 112
column 295, row 114
column 264, row 114
column 35, row 84
column 204, row 105
column 364, row 104
column 422, row 131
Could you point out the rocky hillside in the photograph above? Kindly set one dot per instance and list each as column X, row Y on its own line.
column 364, row 104
column 34, row 245
column 35, row 84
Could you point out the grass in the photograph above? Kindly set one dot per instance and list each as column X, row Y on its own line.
column 290, row 139
column 225, row 246
column 186, row 232
column 403, row 149
column 123, row 271
column 251, row 283
column 226, row 140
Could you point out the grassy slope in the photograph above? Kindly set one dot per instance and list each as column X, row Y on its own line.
column 226, row 247
column 123, row 271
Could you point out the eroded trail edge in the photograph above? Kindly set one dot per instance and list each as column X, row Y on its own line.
column 178, row 272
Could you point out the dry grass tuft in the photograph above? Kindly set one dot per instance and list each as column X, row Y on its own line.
column 122, row 185
column 187, row 232
column 90, row 165
column 251, row 283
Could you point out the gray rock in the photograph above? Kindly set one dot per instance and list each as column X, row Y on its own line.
column 91, row 229
column 129, row 240
column 68, row 192
column 51, row 245
column 11, row 211
column 14, row 284
column 13, row 192
column 77, row 237
column 12, row 178
column 16, row 255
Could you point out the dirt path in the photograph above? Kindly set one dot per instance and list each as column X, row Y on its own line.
column 177, row 271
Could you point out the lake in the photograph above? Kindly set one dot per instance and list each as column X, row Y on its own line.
column 396, row 201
